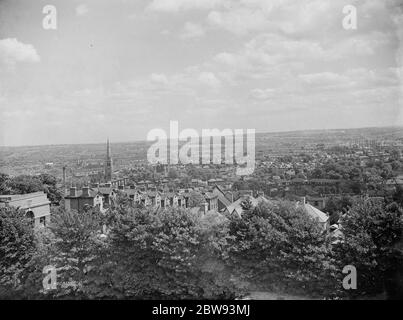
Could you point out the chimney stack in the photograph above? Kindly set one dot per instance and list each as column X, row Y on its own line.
column 86, row 191
column 205, row 207
column 73, row 192
column 64, row 177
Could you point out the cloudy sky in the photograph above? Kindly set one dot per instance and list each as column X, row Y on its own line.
column 121, row 68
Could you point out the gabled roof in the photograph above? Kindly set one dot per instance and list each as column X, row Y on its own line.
column 171, row 194
column 316, row 213
column 236, row 207
column 221, row 196
column 218, row 188
column 152, row 194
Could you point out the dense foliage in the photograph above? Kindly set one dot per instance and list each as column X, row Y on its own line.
column 371, row 232
column 196, row 199
column 26, row 184
column 278, row 247
column 17, row 247
column 138, row 253
column 168, row 254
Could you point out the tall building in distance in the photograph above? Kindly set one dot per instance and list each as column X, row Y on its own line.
column 108, row 163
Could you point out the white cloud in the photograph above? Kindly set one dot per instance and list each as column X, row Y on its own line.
column 360, row 45
column 279, row 60
column 159, row 78
column 192, row 30
column 263, row 94
column 239, row 21
column 324, row 79
column 307, row 18
column 81, row 10
column 209, row 79
column 270, row 53
column 278, row 54
column 12, row 51
column 179, row 5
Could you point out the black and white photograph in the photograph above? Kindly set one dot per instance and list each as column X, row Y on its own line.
column 200, row 155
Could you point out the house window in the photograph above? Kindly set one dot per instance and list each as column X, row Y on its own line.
column 30, row 215
column 42, row 221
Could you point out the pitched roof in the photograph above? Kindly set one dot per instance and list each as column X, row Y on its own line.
column 315, row 213
column 209, row 195
column 237, row 207
column 221, row 197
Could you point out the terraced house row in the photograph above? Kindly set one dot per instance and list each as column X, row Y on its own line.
column 102, row 196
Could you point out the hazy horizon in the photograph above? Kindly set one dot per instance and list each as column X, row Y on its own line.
column 257, row 133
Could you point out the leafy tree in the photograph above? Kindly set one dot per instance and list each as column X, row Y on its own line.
column 77, row 245
column 318, row 173
column 338, row 204
column 371, row 229
column 196, row 199
column 167, row 254
column 32, row 277
column 395, row 165
column 48, row 179
column 25, row 184
column 49, row 183
column 17, row 246
column 172, row 173
column 395, row 154
column 4, row 184
column 246, row 204
column 398, row 195
column 278, row 246
column 301, row 175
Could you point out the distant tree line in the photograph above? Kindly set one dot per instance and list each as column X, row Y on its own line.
column 24, row 184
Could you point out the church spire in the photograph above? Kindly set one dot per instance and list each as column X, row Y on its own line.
column 108, row 162
column 108, row 151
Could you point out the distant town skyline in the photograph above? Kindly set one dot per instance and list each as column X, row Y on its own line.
column 103, row 142
column 120, row 69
